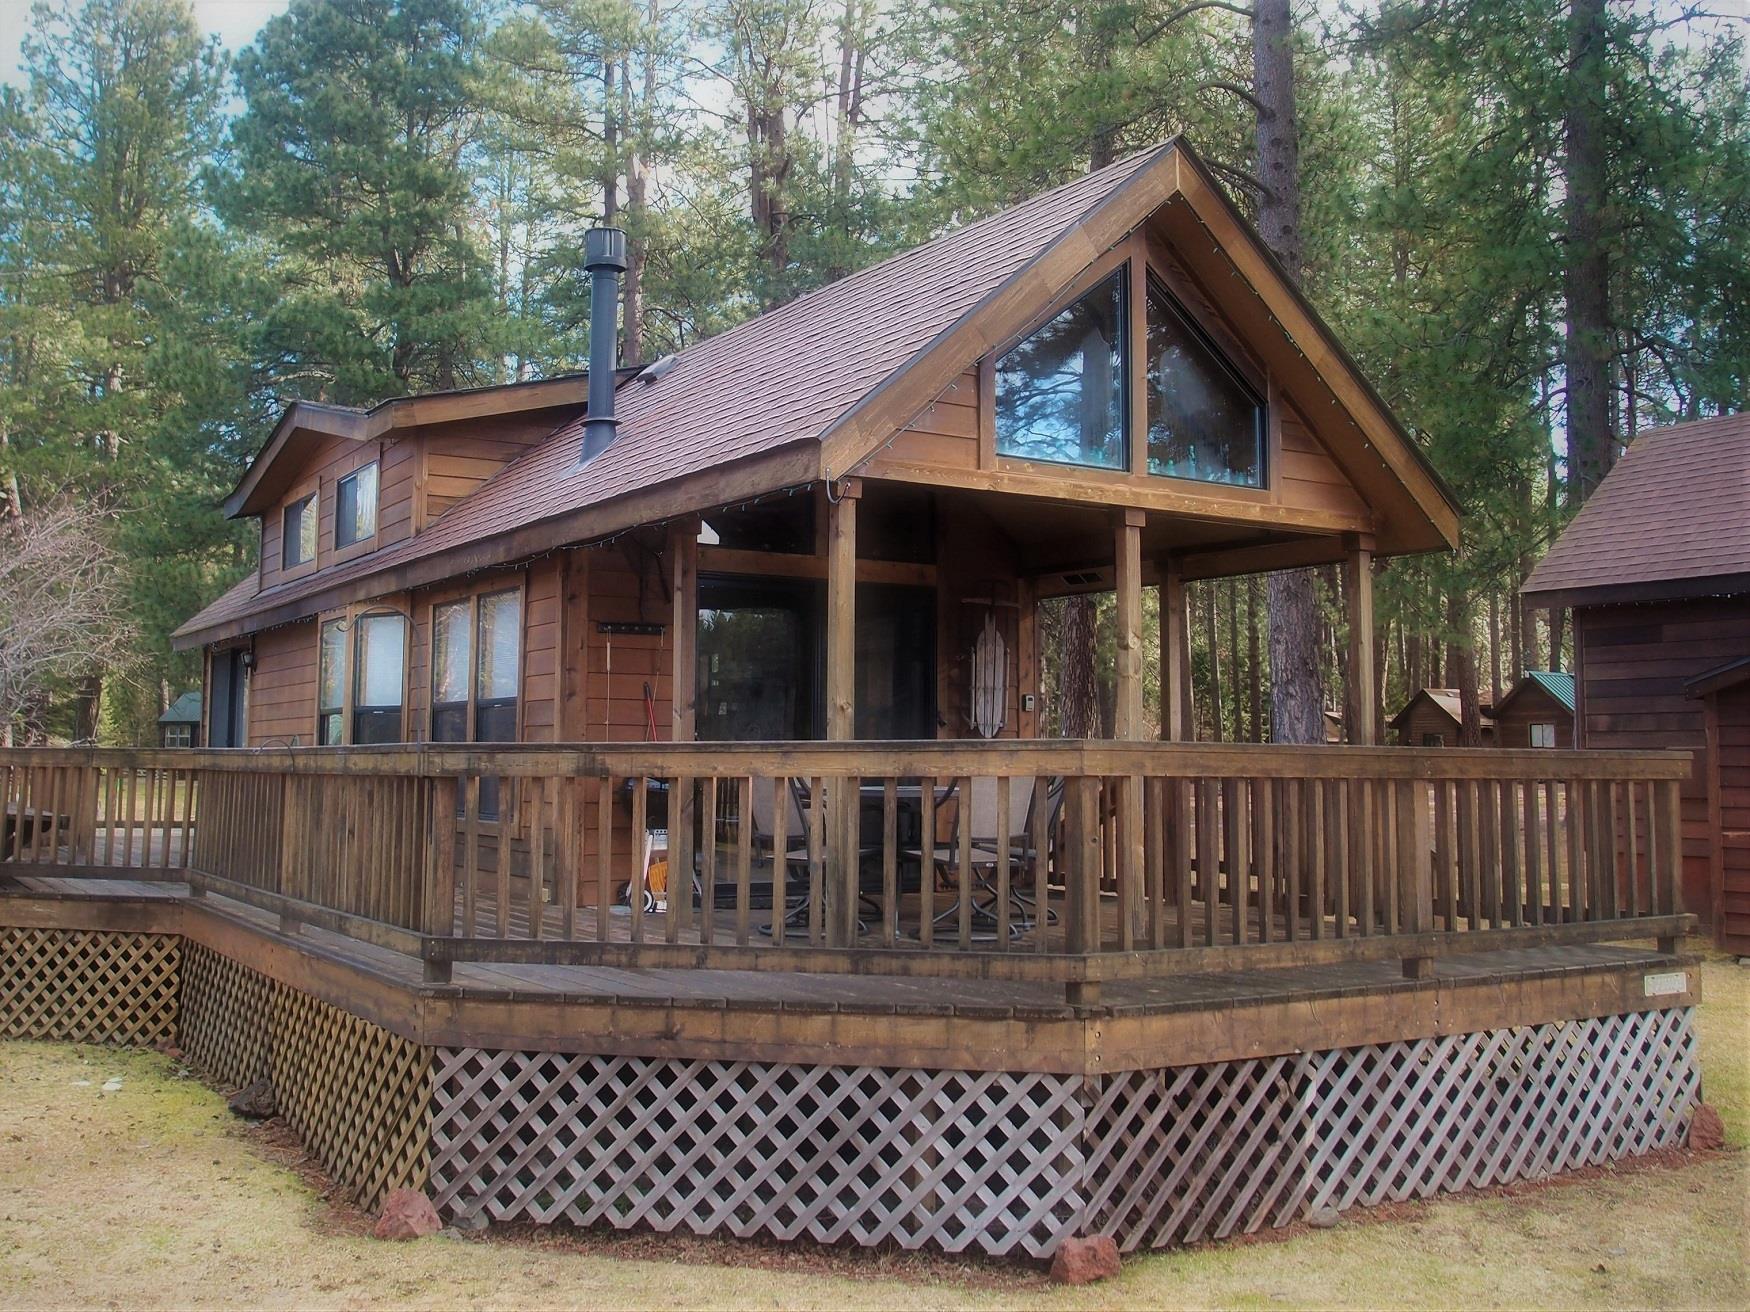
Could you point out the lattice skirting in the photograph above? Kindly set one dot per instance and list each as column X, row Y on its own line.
column 1007, row 1162
column 88, row 986
column 357, row 1095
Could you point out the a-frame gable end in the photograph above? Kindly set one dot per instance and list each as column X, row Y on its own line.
column 1343, row 463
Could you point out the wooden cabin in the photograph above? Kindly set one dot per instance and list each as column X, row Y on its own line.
column 1434, row 717
column 181, row 723
column 817, row 528
column 1656, row 569
column 1537, row 711
column 644, row 822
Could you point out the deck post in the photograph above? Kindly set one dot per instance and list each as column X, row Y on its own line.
column 1415, row 873
column 683, row 552
column 840, row 887
column 1175, row 643
column 1361, row 721
column 1127, row 556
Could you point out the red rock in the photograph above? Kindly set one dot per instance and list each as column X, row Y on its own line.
column 1707, row 1133
column 407, row 1214
column 1083, row 1261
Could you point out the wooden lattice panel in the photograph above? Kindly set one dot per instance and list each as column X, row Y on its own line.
column 88, row 986
column 357, row 1095
column 947, row 1158
column 1007, row 1162
column 1198, row 1152
column 227, row 1015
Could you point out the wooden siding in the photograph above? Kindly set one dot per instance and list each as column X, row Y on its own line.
column 282, row 687
column 1533, row 706
column 458, row 458
column 1632, row 664
column 1729, row 740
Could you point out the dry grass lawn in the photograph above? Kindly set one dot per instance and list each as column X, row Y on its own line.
column 150, row 1195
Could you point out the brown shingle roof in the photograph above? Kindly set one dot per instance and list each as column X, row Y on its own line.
column 1671, row 519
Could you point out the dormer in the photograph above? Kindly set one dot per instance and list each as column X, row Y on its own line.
column 334, row 483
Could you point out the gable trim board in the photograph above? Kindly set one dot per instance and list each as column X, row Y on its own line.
column 522, row 509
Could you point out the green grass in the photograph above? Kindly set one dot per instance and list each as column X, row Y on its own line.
column 153, row 1196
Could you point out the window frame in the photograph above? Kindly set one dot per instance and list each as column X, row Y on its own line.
column 1144, row 256
column 472, row 596
column 311, row 493
column 1155, row 283
column 368, row 542
column 347, row 621
column 1531, row 734
column 1122, row 274
column 355, row 650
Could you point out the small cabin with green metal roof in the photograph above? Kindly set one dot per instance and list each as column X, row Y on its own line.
column 1538, row 711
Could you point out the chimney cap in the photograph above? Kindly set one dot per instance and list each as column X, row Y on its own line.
column 605, row 248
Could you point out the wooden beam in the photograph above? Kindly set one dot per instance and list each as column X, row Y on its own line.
column 1175, row 644
column 683, row 554
column 841, row 610
column 1361, row 722
column 841, row 707
column 1127, row 553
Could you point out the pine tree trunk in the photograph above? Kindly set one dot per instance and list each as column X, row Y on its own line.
column 1296, row 706
column 1215, row 672
column 1255, row 685
column 1078, row 706
column 1586, row 264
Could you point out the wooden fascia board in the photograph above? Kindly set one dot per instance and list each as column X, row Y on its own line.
column 1634, row 594
column 1002, row 313
column 788, row 466
column 1324, row 354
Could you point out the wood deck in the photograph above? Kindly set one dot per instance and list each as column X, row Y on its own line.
column 878, row 1020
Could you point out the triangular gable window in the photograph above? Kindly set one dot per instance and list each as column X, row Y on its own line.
column 1060, row 392
column 1203, row 422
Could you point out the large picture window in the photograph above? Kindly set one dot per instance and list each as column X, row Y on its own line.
column 355, row 506
column 1203, row 422
column 1060, row 393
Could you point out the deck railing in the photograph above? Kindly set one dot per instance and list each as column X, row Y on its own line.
column 1074, row 862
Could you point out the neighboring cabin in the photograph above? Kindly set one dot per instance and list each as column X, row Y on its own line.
column 1656, row 569
column 1433, row 717
column 1538, row 711
column 180, row 725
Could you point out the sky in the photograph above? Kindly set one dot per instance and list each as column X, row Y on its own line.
column 234, row 22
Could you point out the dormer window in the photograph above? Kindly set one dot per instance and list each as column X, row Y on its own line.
column 1204, row 423
column 298, row 533
column 355, row 506
column 1060, row 392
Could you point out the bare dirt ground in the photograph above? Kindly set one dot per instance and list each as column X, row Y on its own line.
column 151, row 1195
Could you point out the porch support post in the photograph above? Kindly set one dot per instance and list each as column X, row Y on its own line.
column 1361, row 720
column 683, row 552
column 1127, row 555
column 840, row 885
column 1175, row 638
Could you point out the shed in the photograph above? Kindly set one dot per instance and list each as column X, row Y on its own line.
column 1538, row 711
column 1432, row 717
column 180, row 726
column 1656, row 569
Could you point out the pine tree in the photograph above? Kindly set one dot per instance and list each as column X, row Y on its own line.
column 353, row 155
